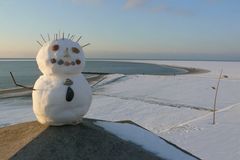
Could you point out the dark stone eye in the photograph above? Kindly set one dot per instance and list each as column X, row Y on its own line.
column 53, row 60
column 78, row 61
column 75, row 50
column 55, row 47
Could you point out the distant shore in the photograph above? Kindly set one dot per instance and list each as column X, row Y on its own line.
column 194, row 70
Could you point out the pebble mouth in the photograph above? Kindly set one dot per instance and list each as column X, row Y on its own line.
column 66, row 63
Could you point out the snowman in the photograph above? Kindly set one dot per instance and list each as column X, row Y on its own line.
column 61, row 95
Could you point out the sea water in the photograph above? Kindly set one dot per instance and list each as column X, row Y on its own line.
column 26, row 72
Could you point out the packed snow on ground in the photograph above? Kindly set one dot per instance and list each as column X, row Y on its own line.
column 177, row 108
column 147, row 140
column 15, row 110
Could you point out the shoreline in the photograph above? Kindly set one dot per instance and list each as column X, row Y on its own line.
column 19, row 92
column 193, row 70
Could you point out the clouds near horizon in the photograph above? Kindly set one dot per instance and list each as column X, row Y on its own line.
column 130, row 4
column 162, row 8
column 151, row 6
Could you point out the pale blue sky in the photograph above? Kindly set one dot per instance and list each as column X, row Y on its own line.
column 125, row 28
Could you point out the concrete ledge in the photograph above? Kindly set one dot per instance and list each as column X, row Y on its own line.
column 84, row 141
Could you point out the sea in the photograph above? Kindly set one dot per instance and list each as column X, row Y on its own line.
column 26, row 71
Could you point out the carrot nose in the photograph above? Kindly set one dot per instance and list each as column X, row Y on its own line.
column 66, row 54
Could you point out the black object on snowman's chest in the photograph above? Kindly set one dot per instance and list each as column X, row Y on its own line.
column 70, row 92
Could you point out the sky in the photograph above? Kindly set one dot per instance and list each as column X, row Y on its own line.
column 135, row 29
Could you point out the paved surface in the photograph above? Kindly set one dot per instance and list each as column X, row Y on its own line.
column 85, row 141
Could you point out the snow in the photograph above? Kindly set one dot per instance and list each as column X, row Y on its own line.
column 48, row 58
column 177, row 108
column 144, row 138
column 61, row 61
column 15, row 110
column 154, row 117
column 220, row 141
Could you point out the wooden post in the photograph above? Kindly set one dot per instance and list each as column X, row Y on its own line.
column 215, row 98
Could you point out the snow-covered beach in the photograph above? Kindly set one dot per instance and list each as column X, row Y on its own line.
column 177, row 108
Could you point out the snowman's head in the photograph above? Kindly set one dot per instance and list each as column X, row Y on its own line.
column 61, row 57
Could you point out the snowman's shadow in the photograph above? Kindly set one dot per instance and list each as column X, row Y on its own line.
column 82, row 141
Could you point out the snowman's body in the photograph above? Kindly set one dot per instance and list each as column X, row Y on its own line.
column 53, row 104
